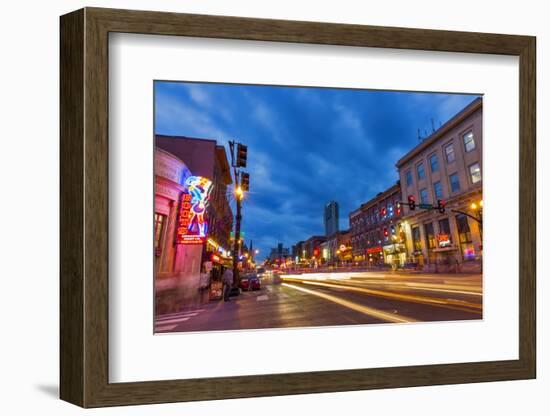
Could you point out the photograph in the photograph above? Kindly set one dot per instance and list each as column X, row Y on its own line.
column 281, row 207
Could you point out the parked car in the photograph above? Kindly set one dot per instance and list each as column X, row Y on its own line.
column 250, row 282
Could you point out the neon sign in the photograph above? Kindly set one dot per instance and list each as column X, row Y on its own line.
column 444, row 240
column 192, row 225
column 372, row 250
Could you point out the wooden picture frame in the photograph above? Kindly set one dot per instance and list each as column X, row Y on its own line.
column 84, row 207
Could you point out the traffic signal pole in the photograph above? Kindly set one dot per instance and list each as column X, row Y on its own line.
column 236, row 243
column 479, row 220
column 241, row 186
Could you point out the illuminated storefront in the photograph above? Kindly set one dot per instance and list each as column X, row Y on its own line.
column 395, row 254
column 375, row 255
column 191, row 209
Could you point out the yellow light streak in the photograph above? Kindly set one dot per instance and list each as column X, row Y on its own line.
column 376, row 313
column 446, row 303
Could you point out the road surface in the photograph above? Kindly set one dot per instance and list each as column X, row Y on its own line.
column 331, row 299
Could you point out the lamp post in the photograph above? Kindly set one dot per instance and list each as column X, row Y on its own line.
column 238, row 160
column 478, row 211
column 236, row 244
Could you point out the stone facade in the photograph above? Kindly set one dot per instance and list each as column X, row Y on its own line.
column 446, row 166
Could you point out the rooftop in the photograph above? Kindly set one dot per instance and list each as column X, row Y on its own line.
column 453, row 122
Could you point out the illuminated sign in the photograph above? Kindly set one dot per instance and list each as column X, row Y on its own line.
column 192, row 225
column 444, row 240
column 376, row 249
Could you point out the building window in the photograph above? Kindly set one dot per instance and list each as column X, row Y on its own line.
column 430, row 235
column 423, row 196
column 455, row 182
column 416, row 238
column 420, row 171
column 438, row 191
column 445, row 238
column 160, row 220
column 409, row 178
column 450, row 153
column 475, row 172
column 469, row 143
column 434, row 164
column 465, row 237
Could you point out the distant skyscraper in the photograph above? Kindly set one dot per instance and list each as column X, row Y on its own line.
column 331, row 218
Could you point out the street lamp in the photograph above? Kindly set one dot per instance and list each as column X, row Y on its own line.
column 242, row 181
column 239, row 194
column 478, row 209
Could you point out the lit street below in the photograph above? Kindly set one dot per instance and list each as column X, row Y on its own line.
column 331, row 299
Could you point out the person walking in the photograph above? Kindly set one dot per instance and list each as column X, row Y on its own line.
column 228, row 283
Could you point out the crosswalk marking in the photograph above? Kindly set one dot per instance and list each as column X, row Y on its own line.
column 162, row 318
column 171, row 321
column 262, row 297
column 164, row 328
column 168, row 315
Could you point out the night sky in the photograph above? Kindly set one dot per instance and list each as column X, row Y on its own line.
column 306, row 146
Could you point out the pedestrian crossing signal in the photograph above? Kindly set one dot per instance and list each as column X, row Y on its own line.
column 441, row 205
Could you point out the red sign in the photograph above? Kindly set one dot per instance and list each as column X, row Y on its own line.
column 443, row 240
column 184, row 234
column 377, row 249
column 215, row 258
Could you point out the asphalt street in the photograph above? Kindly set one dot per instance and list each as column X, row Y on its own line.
column 333, row 299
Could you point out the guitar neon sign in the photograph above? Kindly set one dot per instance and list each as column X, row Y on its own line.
column 192, row 224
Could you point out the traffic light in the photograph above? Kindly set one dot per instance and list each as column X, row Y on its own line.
column 383, row 211
column 245, row 181
column 241, row 155
column 441, row 206
column 398, row 205
column 385, row 232
column 392, row 230
column 412, row 202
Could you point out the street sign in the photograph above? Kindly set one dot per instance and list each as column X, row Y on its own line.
column 425, row 206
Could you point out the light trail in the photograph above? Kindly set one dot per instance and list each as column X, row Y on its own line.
column 445, row 303
column 431, row 287
column 376, row 313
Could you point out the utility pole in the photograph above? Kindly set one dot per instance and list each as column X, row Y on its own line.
column 241, row 185
column 237, row 242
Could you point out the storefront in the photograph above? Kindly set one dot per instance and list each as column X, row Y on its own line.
column 375, row 256
column 170, row 175
column 395, row 254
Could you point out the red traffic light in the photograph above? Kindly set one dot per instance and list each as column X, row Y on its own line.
column 412, row 202
column 383, row 211
column 441, row 205
column 385, row 232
